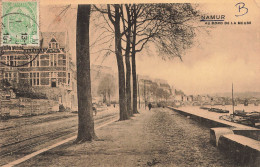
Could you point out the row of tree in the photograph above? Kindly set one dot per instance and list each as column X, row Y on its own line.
column 134, row 26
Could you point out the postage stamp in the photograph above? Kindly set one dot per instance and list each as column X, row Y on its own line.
column 20, row 23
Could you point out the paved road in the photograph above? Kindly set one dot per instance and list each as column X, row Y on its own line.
column 159, row 137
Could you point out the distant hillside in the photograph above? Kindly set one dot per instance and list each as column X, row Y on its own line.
column 238, row 94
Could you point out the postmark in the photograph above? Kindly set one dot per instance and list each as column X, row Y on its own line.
column 20, row 20
column 21, row 39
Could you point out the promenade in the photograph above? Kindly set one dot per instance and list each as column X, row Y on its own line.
column 160, row 137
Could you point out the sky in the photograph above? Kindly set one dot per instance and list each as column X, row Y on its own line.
column 227, row 54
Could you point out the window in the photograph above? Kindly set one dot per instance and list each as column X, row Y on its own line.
column 34, row 61
column 15, row 61
column 62, row 60
column 45, row 74
column 45, row 81
column 68, row 78
column 53, row 44
column 10, row 76
column 31, row 63
column 7, row 59
column 38, row 62
column 34, row 78
column 11, row 60
column 24, row 75
column 54, row 74
column 53, row 82
column 44, row 57
column 45, row 62
column 53, row 60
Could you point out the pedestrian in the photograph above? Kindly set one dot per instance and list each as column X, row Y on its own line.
column 149, row 106
column 94, row 109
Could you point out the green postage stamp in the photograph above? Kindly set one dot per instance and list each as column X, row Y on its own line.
column 20, row 23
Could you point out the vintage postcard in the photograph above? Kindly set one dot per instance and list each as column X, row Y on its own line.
column 129, row 83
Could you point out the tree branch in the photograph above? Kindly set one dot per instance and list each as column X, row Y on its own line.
column 110, row 15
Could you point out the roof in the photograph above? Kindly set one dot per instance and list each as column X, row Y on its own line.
column 47, row 37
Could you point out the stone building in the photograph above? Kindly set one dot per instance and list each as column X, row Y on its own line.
column 47, row 69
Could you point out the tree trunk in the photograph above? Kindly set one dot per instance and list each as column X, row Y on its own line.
column 104, row 97
column 128, row 65
column 109, row 98
column 128, row 85
column 134, row 67
column 85, row 114
column 134, row 83
column 120, row 65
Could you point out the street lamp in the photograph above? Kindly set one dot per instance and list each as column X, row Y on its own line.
column 144, row 96
column 138, row 92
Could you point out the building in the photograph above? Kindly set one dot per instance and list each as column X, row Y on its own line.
column 154, row 90
column 166, row 87
column 47, row 69
column 190, row 98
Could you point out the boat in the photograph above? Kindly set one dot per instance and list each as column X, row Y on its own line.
column 242, row 117
column 251, row 118
column 204, row 108
column 218, row 110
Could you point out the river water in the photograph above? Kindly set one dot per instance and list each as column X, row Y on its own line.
column 196, row 110
column 249, row 108
column 205, row 113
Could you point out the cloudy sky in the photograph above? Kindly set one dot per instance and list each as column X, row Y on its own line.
column 229, row 53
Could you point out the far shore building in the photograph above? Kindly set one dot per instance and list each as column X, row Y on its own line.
column 146, row 89
column 47, row 70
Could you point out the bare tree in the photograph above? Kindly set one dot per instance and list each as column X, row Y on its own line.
column 85, row 114
column 127, row 26
column 112, row 12
column 115, row 20
column 165, row 25
column 134, row 19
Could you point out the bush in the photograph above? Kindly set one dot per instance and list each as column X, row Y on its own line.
column 31, row 95
column 68, row 109
column 61, row 108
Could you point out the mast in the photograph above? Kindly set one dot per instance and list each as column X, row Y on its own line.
column 232, row 99
column 138, row 91
column 144, row 96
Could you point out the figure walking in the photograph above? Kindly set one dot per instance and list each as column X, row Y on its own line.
column 149, row 106
column 95, row 110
